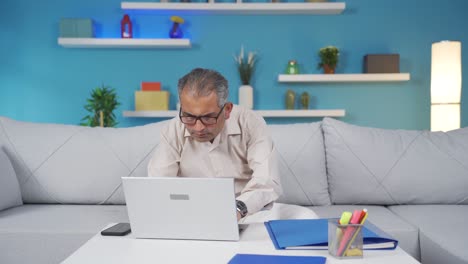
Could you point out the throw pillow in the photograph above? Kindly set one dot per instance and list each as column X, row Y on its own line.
column 383, row 166
column 301, row 162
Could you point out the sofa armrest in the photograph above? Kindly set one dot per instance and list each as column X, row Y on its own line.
column 10, row 194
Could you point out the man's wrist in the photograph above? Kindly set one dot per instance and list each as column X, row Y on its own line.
column 241, row 208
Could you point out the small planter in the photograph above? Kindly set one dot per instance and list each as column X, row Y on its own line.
column 328, row 70
column 329, row 57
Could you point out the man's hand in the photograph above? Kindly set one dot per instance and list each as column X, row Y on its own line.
column 238, row 216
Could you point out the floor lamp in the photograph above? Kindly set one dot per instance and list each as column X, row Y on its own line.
column 446, row 86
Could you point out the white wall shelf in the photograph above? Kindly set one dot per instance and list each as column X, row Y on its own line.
column 363, row 77
column 264, row 113
column 302, row 113
column 123, row 43
column 158, row 114
column 333, row 8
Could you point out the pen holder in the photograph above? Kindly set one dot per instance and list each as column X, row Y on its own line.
column 344, row 241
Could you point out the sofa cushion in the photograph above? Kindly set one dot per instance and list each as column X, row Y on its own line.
column 10, row 194
column 405, row 233
column 301, row 158
column 49, row 233
column 442, row 231
column 75, row 164
column 383, row 166
column 58, row 218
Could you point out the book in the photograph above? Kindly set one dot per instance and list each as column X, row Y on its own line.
column 313, row 234
column 150, row 86
column 276, row 259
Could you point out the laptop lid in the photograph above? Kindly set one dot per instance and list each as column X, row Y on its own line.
column 181, row 208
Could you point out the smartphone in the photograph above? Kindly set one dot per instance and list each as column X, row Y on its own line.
column 120, row 229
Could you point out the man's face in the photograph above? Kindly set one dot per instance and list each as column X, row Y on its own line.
column 206, row 106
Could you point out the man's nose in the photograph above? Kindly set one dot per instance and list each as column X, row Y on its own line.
column 198, row 125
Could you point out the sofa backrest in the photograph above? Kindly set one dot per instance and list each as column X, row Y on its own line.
column 71, row 164
column 301, row 156
column 320, row 163
column 382, row 166
column 75, row 164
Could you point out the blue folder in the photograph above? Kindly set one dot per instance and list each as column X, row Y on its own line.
column 274, row 259
column 313, row 234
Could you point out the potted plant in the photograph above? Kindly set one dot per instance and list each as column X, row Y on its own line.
column 246, row 68
column 328, row 58
column 101, row 108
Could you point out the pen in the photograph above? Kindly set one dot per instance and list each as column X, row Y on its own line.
column 363, row 216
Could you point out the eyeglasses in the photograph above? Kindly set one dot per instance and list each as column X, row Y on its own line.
column 206, row 120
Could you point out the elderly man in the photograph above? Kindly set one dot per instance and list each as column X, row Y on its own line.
column 211, row 137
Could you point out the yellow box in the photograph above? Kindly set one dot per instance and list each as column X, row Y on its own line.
column 151, row 100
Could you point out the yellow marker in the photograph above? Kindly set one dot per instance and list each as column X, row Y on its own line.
column 345, row 217
column 344, row 220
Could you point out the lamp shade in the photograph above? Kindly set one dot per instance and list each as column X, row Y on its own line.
column 446, row 72
column 445, row 117
column 446, row 86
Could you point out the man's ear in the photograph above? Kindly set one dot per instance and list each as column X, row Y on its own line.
column 227, row 110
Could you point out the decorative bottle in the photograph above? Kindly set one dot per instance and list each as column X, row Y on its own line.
column 290, row 99
column 305, row 99
column 126, row 27
column 292, row 67
column 175, row 31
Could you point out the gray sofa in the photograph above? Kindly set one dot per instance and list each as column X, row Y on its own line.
column 60, row 184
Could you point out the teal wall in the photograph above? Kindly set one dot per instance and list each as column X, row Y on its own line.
column 43, row 82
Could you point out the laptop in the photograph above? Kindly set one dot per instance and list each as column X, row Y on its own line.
column 181, row 208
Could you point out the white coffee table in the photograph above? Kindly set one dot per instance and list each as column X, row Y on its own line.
column 254, row 240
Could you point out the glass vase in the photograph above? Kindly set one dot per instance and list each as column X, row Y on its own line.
column 292, row 67
column 290, row 99
column 305, row 99
column 246, row 96
column 176, row 32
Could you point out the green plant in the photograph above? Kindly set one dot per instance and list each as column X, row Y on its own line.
column 245, row 66
column 101, row 108
column 328, row 56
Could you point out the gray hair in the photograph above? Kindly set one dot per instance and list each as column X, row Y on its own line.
column 202, row 82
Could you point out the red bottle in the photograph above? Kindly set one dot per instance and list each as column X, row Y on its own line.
column 126, row 27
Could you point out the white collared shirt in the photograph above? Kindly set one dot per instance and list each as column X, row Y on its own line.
column 243, row 150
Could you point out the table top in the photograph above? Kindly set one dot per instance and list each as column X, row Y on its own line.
column 253, row 240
